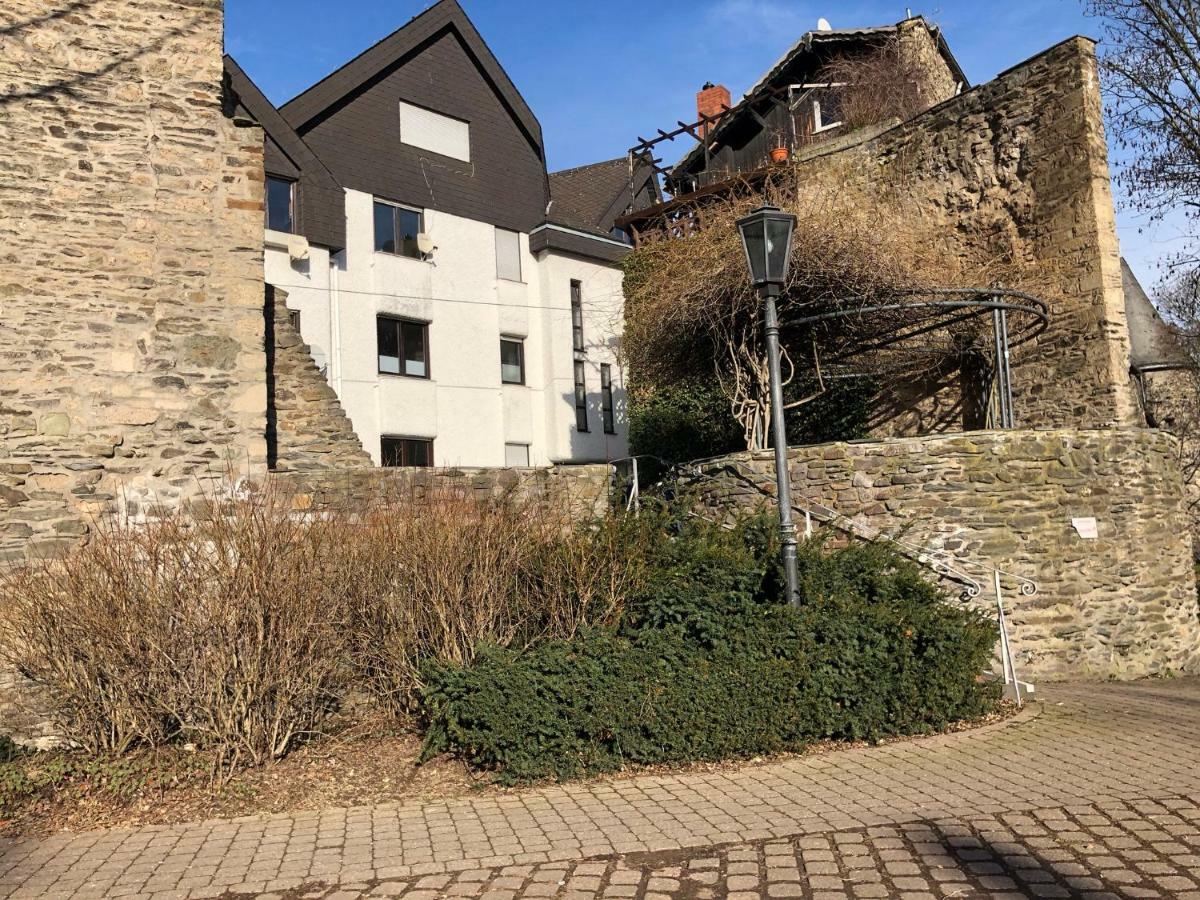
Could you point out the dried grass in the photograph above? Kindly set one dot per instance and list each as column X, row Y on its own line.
column 243, row 626
column 859, row 241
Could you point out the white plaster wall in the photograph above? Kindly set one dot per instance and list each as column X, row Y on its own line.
column 463, row 406
column 603, row 316
column 307, row 285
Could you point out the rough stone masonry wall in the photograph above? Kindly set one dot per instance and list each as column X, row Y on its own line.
column 306, row 425
column 1018, row 167
column 1122, row 605
column 580, row 491
column 131, row 366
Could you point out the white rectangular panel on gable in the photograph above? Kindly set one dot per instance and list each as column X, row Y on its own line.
column 434, row 132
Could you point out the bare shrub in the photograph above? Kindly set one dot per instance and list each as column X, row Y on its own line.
column 861, row 241
column 885, row 83
column 225, row 628
column 242, row 626
column 451, row 573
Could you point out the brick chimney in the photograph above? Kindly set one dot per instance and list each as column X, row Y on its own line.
column 712, row 100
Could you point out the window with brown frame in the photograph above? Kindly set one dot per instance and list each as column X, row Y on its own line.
column 281, row 204
column 512, row 361
column 581, row 417
column 398, row 452
column 577, row 316
column 403, row 347
column 606, row 399
column 396, row 229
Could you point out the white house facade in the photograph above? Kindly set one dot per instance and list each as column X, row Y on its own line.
column 465, row 305
column 490, row 378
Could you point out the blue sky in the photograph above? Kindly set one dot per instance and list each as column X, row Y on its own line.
column 597, row 74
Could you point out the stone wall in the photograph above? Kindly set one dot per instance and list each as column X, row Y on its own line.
column 131, row 370
column 584, row 490
column 1121, row 605
column 1017, row 169
column 306, row 425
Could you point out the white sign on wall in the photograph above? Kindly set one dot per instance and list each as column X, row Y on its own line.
column 1086, row 527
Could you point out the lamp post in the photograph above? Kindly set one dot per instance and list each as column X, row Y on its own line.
column 767, row 239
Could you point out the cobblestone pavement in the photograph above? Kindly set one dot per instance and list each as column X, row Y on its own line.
column 1096, row 796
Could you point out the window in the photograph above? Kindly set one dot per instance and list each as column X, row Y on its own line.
column 606, row 399
column 281, row 201
column 294, row 319
column 429, row 130
column 516, row 456
column 397, row 451
column 396, row 229
column 577, row 315
column 512, row 361
column 403, row 347
column 508, row 255
column 581, row 422
column 827, row 112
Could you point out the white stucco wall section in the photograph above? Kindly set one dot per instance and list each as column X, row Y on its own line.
column 462, row 406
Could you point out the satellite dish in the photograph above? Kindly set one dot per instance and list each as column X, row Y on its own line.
column 425, row 244
column 823, row 24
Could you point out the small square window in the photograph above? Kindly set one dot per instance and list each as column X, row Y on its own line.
column 512, row 361
column 396, row 229
column 403, row 347
column 406, row 452
column 281, row 202
column 508, row 255
column 516, row 456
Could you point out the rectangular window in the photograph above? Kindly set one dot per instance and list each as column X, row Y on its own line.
column 516, row 456
column 396, row 229
column 403, row 347
column 429, row 130
column 281, row 202
column 827, row 113
column 512, row 361
column 294, row 318
column 400, row 452
column 606, row 399
column 577, row 315
column 508, row 255
column 581, row 418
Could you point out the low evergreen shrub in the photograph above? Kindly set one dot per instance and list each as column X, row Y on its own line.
column 709, row 664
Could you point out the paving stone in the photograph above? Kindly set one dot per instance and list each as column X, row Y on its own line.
column 1097, row 796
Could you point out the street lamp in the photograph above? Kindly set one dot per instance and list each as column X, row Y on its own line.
column 767, row 240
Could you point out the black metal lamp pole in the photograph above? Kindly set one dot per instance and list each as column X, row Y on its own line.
column 767, row 239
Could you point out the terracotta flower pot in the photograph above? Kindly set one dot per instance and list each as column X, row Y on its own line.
column 779, row 154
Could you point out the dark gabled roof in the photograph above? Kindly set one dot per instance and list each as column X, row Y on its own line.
column 837, row 35
column 320, row 212
column 446, row 15
column 804, row 46
column 1152, row 343
column 590, row 198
